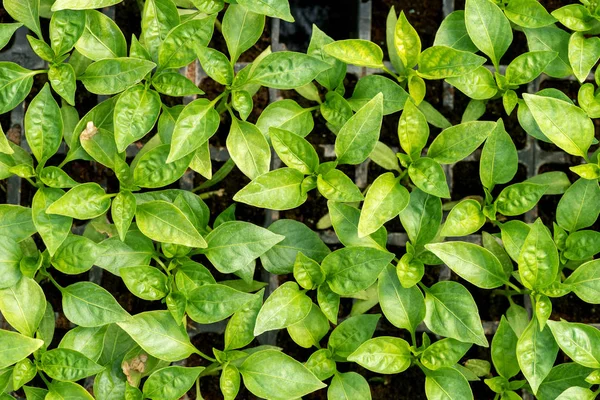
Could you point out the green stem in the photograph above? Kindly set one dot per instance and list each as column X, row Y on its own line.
column 217, row 177
column 219, row 97
column 218, row 25
column 162, row 265
column 51, row 279
column 513, row 286
column 206, row 357
column 32, row 182
column 41, row 374
column 413, row 338
column 391, row 73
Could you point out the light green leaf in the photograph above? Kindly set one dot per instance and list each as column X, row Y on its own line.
column 429, row 176
column 447, row 384
column 499, row 158
column 89, row 305
column 85, row 201
column 356, row 52
column 457, row 142
column 536, row 353
column 68, row 365
column 23, row 305
column 114, row 75
column 25, row 11
column 464, row 219
column 488, row 28
column 101, row 38
column 178, row 48
column 287, row 70
column 286, row 306
column 538, row 261
column 43, row 125
column 241, row 29
column 384, row 355
column 138, row 112
column 422, row 217
column 171, row 382
column 248, row 148
column 473, row 263
column 578, row 341
column 452, row 312
column 385, row 199
column 440, row 62
column 280, row 189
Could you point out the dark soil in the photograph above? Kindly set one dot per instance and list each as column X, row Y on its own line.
column 573, row 309
column 337, row 18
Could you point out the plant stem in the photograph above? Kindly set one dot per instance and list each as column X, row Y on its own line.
column 201, row 354
column 51, row 279
column 217, row 177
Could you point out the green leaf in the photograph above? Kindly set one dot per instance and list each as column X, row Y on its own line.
column 67, row 390
column 280, row 189
column 286, row 306
column 440, row 62
column 43, row 125
column 357, row 138
column 281, row 257
column 158, row 18
column 101, row 38
column 348, row 385
column 471, row 262
column 230, row 382
column 528, row 66
column 235, row 244
column 452, row 312
column 519, row 198
column 337, row 186
column 422, row 217
column 84, row 201
column 62, row 79
column 23, row 306
column 287, row 70
column 311, row 329
column 488, row 28
column 274, row 375
column 403, row 307
column 464, row 219
column 407, row 42
column 453, row 33
column 350, row 334
column 16, row 222
column 582, row 245
column 82, row 4
column 66, row 27
column 11, row 254
column 334, row 75
column 174, row 84
column 271, row 8
column 447, row 384
column 504, row 350
column 536, row 353
column 241, row 29
column 528, row 14
column 385, row 199
column 55, row 177
column 89, row 305
column 26, row 12
column 240, row 328
column 580, row 205
column 15, row 347
column 15, row 84
column 577, row 393
column 76, row 255
column 153, row 171
column 114, row 75
column 194, row 126
column 288, row 115
column 514, row 234
column 551, row 38
column 214, row 302
column 429, row 176
column 575, row 17
column 7, row 30
column 87, row 341
column 538, row 261
column 145, row 282
column 159, row 334
column 562, row 377
column 178, row 48
column 585, row 282
column 499, row 158
column 566, row 125
column 413, row 130
column 352, row 269
column 216, row 65
column 457, row 142
column 248, row 148
column 122, row 212
column 578, row 341
column 170, row 382
column 138, row 112
column 345, row 220
column 583, row 54
column 294, row 151
column 444, row 353
column 164, row 222
column 357, row 52
column 53, row 229
column 383, row 355
column 68, row 365
column 394, row 96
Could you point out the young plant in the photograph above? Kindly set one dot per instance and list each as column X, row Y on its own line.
column 181, row 267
